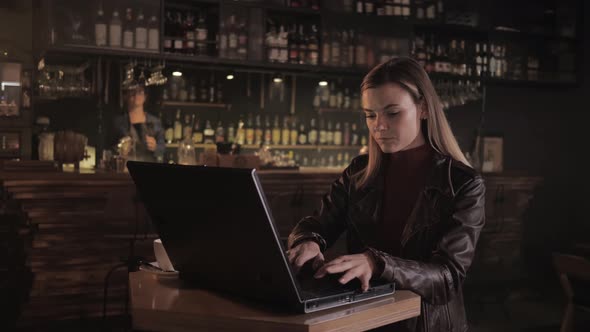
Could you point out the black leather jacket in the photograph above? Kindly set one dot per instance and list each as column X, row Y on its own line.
column 438, row 242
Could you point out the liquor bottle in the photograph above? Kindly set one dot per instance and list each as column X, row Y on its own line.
column 219, row 133
column 177, row 127
column 115, row 30
column 347, row 102
column 354, row 135
column 360, row 57
column 438, row 60
column 128, row 31
column 203, row 91
column 223, row 39
column 271, row 41
column 169, row 32
column 344, row 50
column 197, row 132
column 419, row 4
column 333, row 103
column 462, row 59
column 326, row 46
column 153, row 34
column 406, row 9
column 100, row 28
column 250, row 130
column 294, row 133
column 351, row 47
column 276, row 131
column 323, row 134
column 485, row 55
column 267, row 131
column 315, row 4
column 232, row 38
column 313, row 46
column 346, row 134
column 212, row 86
column 285, row 133
column 338, row 134
column 293, row 45
column 241, row 133
column 335, row 49
column 493, row 60
column 258, row 131
column 389, row 7
column 360, row 6
column 478, row 60
column 219, row 92
column 397, row 8
column 192, row 93
column 169, row 132
column 189, row 46
column 312, row 137
column 188, row 127
column 430, row 11
column 141, row 34
column 242, row 40
column 317, row 97
column 369, row 7
column 330, row 134
column 325, row 96
column 209, row 133
column 303, row 53
column 201, row 35
column 179, row 34
column 356, row 101
column 302, row 137
column 339, row 96
column 380, row 10
column 283, row 45
column 231, row 133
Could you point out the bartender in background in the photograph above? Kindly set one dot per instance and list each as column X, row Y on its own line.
column 144, row 129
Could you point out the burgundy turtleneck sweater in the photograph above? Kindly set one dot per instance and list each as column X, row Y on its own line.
column 406, row 173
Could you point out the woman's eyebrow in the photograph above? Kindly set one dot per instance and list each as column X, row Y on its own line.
column 386, row 107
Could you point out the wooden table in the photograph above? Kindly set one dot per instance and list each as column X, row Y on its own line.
column 159, row 304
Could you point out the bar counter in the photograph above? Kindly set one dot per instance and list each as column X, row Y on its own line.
column 74, row 227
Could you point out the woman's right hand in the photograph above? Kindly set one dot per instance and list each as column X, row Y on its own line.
column 303, row 252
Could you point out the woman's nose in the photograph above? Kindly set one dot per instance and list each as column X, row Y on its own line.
column 380, row 123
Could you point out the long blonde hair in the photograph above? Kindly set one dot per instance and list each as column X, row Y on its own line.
column 405, row 71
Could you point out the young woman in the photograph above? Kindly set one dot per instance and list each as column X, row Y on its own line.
column 413, row 207
column 145, row 129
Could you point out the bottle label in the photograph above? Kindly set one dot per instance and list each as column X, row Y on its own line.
column 141, row 38
column 128, row 39
column 115, row 36
column 153, row 39
column 100, row 31
column 233, row 41
column 201, row 34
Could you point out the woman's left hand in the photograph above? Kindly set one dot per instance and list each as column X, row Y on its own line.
column 359, row 266
column 151, row 143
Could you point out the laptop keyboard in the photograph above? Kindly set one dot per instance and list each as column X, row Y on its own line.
column 327, row 285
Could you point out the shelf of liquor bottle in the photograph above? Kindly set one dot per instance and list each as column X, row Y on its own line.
column 193, row 104
column 509, row 33
column 210, row 61
column 337, row 110
column 355, row 20
column 108, row 49
column 460, row 29
column 569, row 82
column 278, row 147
